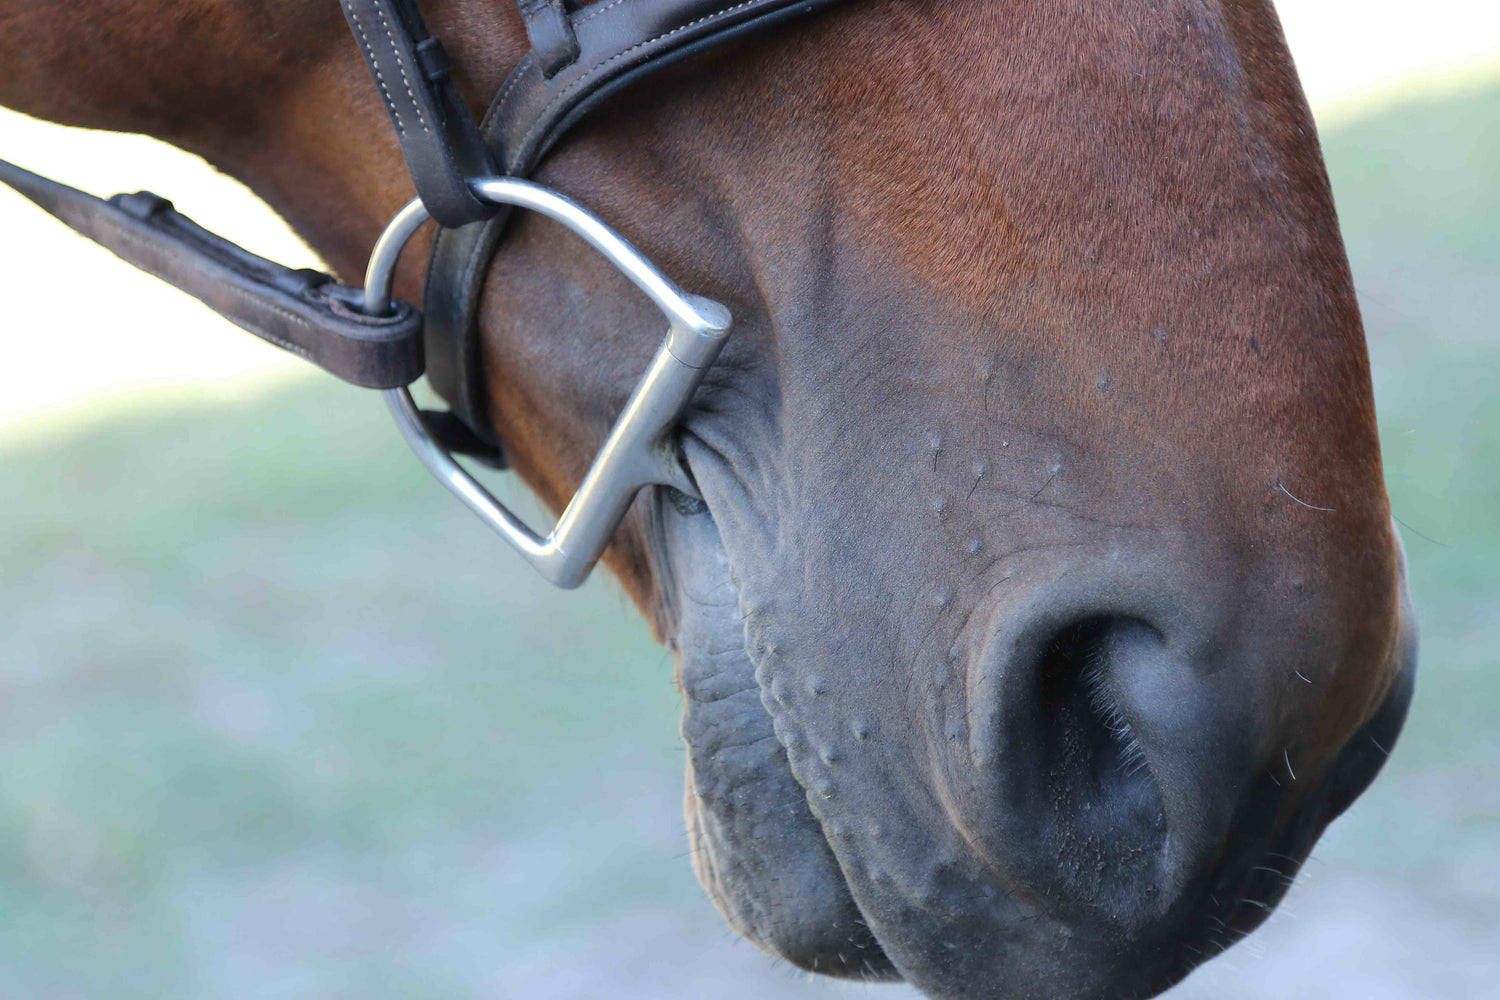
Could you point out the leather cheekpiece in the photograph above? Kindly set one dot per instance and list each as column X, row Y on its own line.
column 442, row 146
column 619, row 42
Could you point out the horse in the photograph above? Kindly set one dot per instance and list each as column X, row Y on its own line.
column 1042, row 606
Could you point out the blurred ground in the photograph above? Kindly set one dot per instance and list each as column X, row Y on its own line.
column 278, row 720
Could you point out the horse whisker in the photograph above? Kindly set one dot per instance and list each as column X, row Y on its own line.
column 1326, row 510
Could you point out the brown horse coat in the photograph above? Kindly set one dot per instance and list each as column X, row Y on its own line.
column 1046, row 587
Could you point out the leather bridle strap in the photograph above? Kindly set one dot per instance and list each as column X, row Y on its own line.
column 604, row 47
column 438, row 137
column 579, row 57
column 303, row 311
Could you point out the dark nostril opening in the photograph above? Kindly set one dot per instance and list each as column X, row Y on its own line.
column 1089, row 730
column 1104, row 820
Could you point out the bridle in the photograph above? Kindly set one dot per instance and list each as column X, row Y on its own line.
column 468, row 176
column 638, row 451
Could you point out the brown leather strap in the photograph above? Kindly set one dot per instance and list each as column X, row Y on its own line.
column 303, row 311
column 441, row 144
column 553, row 43
column 619, row 41
column 579, row 59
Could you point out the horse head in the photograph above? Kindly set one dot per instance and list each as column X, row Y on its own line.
column 1043, row 606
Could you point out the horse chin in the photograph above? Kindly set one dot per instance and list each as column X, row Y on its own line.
column 756, row 847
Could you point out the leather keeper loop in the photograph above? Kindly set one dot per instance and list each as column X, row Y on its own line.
column 553, row 41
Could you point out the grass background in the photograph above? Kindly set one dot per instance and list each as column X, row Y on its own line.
column 278, row 719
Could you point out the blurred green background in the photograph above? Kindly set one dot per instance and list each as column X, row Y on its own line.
column 281, row 720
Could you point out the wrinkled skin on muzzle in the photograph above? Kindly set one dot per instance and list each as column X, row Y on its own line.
column 1052, row 741
column 1045, row 605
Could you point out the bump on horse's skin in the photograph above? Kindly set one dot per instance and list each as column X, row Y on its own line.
column 1008, row 623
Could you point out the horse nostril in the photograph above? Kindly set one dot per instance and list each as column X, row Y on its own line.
column 1077, row 779
column 1088, row 737
column 1118, row 749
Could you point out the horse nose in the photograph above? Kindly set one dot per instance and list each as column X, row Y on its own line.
column 1118, row 744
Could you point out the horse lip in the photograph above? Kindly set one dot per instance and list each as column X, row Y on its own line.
column 1240, row 889
column 775, row 879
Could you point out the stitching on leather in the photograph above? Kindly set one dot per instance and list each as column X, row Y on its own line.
column 515, row 78
column 287, row 345
column 401, row 65
column 176, row 255
column 473, row 258
column 476, row 277
column 542, row 118
column 498, row 108
column 595, row 13
column 375, row 66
